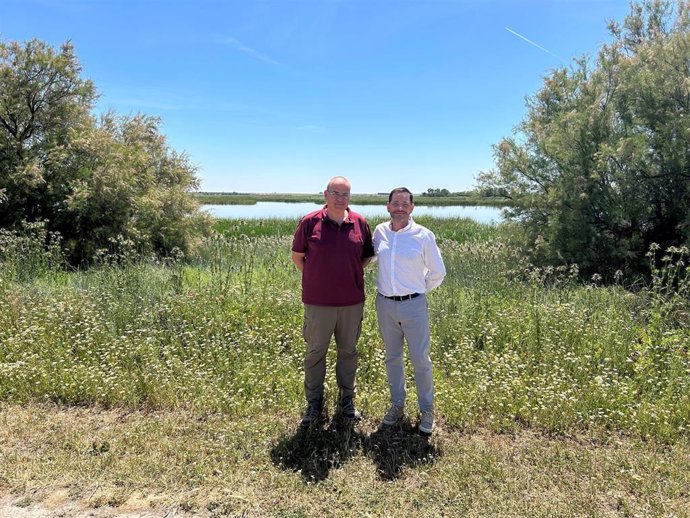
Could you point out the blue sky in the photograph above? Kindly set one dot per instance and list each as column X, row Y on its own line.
column 280, row 95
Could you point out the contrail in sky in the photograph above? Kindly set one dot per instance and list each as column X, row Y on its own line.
column 531, row 42
column 229, row 40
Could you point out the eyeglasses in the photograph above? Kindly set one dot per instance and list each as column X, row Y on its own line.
column 400, row 205
column 337, row 194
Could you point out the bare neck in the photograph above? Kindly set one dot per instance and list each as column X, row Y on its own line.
column 398, row 225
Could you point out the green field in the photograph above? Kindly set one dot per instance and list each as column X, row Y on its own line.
column 467, row 199
column 179, row 383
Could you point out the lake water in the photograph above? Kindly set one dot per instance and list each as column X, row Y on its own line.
column 271, row 209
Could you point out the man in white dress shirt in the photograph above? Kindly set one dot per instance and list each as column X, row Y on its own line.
column 409, row 266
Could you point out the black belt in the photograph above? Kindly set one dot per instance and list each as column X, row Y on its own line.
column 401, row 297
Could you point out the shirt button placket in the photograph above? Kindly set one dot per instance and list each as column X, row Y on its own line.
column 393, row 272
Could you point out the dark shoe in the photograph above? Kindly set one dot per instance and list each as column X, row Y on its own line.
column 312, row 415
column 426, row 422
column 395, row 413
column 348, row 410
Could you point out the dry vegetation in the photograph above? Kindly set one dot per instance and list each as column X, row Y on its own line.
column 114, row 462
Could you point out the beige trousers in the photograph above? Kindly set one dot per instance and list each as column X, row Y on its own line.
column 320, row 324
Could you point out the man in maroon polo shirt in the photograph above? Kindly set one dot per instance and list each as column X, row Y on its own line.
column 331, row 246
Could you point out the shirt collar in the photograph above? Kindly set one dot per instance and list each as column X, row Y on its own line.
column 404, row 229
column 324, row 214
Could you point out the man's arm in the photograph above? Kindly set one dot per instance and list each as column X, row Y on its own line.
column 434, row 262
column 298, row 259
column 368, row 249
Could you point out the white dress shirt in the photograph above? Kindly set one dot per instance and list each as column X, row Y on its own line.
column 409, row 260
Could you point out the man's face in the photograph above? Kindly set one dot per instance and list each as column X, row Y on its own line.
column 400, row 207
column 337, row 195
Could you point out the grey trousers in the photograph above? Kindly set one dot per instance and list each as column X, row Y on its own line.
column 320, row 323
column 400, row 320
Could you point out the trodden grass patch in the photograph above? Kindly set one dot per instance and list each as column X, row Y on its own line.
column 170, row 462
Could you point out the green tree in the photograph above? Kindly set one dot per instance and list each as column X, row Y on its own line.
column 103, row 184
column 133, row 193
column 600, row 167
column 43, row 103
column 436, row 192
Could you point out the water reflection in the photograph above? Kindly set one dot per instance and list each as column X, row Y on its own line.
column 272, row 209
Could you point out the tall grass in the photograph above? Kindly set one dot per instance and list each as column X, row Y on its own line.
column 513, row 346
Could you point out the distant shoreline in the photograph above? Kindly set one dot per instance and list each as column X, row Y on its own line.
column 222, row 198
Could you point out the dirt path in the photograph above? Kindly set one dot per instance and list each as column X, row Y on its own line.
column 20, row 507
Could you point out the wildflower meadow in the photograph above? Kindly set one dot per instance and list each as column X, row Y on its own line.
column 513, row 345
column 217, row 336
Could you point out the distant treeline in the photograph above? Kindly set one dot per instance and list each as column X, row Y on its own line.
column 235, row 198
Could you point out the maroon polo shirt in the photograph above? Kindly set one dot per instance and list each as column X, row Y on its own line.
column 333, row 273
